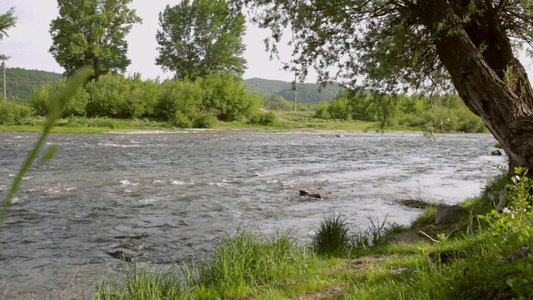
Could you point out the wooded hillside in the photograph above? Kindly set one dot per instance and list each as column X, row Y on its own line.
column 20, row 82
column 307, row 92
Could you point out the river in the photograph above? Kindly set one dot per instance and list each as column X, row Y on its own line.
column 168, row 196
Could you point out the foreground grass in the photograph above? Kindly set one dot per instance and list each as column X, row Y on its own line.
column 467, row 260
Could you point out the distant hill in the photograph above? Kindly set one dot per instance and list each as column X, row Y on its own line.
column 20, row 82
column 307, row 92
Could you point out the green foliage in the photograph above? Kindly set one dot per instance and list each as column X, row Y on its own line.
column 201, row 37
column 140, row 284
column 307, row 92
column 447, row 113
column 108, row 97
column 40, row 97
column 239, row 265
column 12, row 113
column 265, row 119
column 226, row 97
column 179, row 100
column 332, row 236
column 20, row 82
column 513, row 225
column 278, row 103
column 92, row 32
column 7, row 20
column 205, row 121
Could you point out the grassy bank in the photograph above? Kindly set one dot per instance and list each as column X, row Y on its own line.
column 284, row 121
column 481, row 256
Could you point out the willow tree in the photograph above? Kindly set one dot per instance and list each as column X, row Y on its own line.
column 92, row 32
column 466, row 45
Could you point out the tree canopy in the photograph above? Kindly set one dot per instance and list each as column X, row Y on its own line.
column 419, row 45
column 200, row 37
column 92, row 32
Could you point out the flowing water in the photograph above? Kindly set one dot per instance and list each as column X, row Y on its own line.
column 167, row 197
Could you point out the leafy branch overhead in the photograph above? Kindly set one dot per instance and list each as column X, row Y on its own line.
column 7, row 21
column 419, row 46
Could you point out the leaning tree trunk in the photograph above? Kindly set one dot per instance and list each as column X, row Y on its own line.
column 493, row 84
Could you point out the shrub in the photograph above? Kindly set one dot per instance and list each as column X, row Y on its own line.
column 12, row 113
column 181, row 121
column 108, row 97
column 40, row 97
column 205, row 121
column 182, row 98
column 226, row 97
column 265, row 119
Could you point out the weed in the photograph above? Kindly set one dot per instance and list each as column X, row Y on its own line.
column 332, row 236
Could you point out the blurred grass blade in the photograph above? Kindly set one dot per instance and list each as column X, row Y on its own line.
column 49, row 153
column 57, row 104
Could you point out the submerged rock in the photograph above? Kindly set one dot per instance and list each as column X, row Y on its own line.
column 308, row 194
column 119, row 254
column 415, row 203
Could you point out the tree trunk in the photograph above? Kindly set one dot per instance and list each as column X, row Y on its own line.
column 494, row 86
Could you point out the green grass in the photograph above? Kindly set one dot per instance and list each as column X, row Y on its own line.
column 467, row 262
column 301, row 120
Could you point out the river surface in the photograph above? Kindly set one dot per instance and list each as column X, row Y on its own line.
column 166, row 197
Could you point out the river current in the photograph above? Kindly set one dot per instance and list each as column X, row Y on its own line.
column 168, row 196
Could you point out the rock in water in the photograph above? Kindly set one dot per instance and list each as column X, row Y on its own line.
column 119, row 254
column 314, row 195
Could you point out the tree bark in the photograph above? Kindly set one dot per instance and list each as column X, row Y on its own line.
column 506, row 106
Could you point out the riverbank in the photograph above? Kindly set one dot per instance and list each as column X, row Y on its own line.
column 301, row 121
column 483, row 255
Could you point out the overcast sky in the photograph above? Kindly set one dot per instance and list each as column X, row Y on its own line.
column 29, row 41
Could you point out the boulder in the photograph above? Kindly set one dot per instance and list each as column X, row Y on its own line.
column 449, row 214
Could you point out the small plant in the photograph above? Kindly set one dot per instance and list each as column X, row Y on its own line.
column 513, row 225
column 332, row 237
column 265, row 119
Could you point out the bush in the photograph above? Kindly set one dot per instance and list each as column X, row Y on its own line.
column 226, row 97
column 40, row 97
column 205, row 121
column 181, row 121
column 108, row 97
column 179, row 98
column 265, row 119
column 12, row 113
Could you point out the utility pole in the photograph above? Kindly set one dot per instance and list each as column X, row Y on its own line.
column 5, row 85
column 295, row 94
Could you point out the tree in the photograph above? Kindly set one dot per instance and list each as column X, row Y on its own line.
column 201, row 37
column 92, row 32
column 7, row 21
column 420, row 45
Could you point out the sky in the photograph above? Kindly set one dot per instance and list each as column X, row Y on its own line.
column 28, row 43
